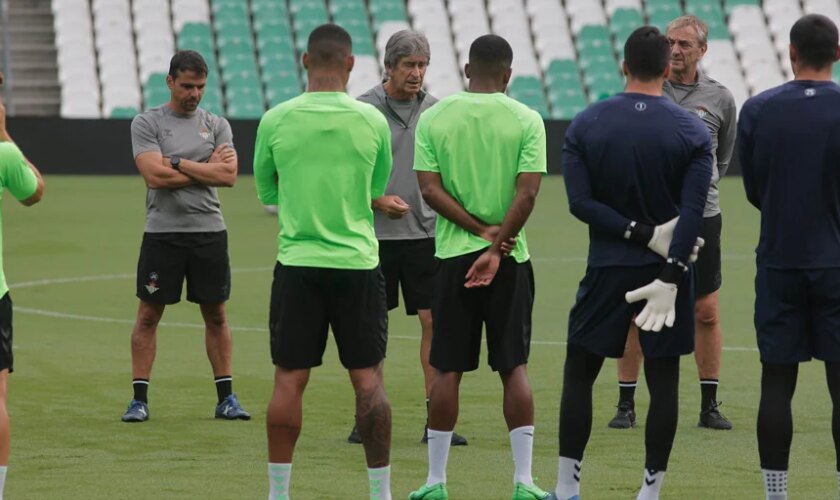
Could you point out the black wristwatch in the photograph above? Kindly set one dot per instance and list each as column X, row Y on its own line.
column 175, row 161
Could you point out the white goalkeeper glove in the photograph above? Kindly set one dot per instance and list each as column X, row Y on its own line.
column 661, row 296
column 659, row 309
column 660, row 239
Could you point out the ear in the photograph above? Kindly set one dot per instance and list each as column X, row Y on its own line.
column 349, row 63
column 467, row 70
column 170, row 82
column 836, row 58
column 305, row 60
column 703, row 49
column 507, row 75
column 792, row 55
column 624, row 70
column 667, row 72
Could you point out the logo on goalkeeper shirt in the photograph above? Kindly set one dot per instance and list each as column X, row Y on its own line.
column 701, row 111
column 152, row 287
column 810, row 92
column 204, row 133
column 640, row 106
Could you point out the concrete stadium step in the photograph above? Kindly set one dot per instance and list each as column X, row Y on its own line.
column 30, row 38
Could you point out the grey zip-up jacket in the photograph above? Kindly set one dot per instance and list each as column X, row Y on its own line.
column 419, row 223
column 713, row 103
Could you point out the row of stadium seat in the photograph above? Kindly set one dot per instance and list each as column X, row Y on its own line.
column 113, row 54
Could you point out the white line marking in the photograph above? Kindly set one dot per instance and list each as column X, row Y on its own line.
column 123, row 321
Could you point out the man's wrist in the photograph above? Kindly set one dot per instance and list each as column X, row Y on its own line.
column 673, row 271
column 638, row 232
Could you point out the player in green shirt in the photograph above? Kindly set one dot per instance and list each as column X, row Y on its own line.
column 322, row 158
column 24, row 181
column 479, row 157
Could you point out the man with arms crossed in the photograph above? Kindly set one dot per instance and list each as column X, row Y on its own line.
column 183, row 153
column 696, row 92
column 24, row 181
column 405, row 225
column 323, row 157
column 641, row 190
column 479, row 158
column 789, row 147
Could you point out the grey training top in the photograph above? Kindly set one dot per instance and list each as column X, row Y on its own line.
column 189, row 209
column 402, row 118
column 714, row 104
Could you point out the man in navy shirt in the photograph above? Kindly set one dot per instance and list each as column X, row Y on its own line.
column 789, row 147
column 637, row 169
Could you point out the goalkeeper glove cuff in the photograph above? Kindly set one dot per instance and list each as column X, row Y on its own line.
column 639, row 233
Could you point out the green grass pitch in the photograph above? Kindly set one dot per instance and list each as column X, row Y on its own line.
column 71, row 263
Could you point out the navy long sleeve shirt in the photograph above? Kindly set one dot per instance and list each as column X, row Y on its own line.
column 636, row 157
column 789, row 147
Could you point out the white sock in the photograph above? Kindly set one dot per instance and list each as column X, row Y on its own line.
column 775, row 484
column 651, row 485
column 380, row 483
column 3, row 470
column 439, row 442
column 568, row 478
column 279, row 477
column 522, row 445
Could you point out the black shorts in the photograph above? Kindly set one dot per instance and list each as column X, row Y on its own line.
column 707, row 275
column 6, row 356
column 410, row 265
column 797, row 314
column 601, row 317
column 167, row 258
column 458, row 314
column 306, row 301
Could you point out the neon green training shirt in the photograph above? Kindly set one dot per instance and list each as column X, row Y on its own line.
column 20, row 180
column 321, row 158
column 479, row 144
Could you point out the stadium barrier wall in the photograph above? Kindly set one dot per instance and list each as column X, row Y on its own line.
column 103, row 147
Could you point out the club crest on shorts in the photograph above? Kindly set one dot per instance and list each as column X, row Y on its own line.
column 152, row 287
column 204, row 133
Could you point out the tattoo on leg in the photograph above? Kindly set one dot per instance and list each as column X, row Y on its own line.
column 373, row 418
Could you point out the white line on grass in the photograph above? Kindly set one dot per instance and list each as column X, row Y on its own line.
column 124, row 321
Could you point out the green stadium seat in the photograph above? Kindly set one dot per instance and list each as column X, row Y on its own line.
column 604, row 62
column 238, row 61
column 245, row 109
column 604, row 88
column 232, row 28
column 703, row 8
column 239, row 11
column 124, row 112
column 195, row 30
column 728, row 5
column 241, row 78
column 268, row 26
column 274, row 44
column 382, row 12
column 269, row 9
column 624, row 19
column 592, row 34
column 835, row 74
column 348, row 10
column 277, row 94
column 525, row 84
column 596, row 49
column 566, row 111
column 718, row 32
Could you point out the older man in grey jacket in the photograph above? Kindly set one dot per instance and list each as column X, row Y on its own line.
column 405, row 225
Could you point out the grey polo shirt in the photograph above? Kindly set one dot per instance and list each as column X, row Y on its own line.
column 713, row 103
column 189, row 209
column 402, row 118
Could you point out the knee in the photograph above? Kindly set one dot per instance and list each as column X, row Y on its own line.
column 215, row 318
column 707, row 312
column 147, row 320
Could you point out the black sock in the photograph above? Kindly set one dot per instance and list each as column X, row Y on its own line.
column 775, row 418
column 141, row 389
column 627, row 391
column 662, row 376
column 708, row 392
column 579, row 374
column 224, row 387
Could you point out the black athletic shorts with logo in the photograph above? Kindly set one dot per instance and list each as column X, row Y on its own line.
column 6, row 356
column 167, row 258
column 459, row 313
column 707, row 269
column 601, row 316
column 410, row 265
column 307, row 301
